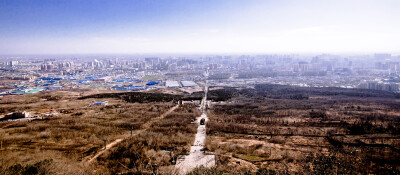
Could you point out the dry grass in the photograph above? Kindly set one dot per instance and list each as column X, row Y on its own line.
column 249, row 133
column 74, row 132
column 157, row 147
column 257, row 129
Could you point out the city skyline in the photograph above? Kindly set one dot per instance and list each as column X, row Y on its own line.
column 186, row 87
column 201, row 27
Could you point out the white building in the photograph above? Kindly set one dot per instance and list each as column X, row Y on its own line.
column 172, row 84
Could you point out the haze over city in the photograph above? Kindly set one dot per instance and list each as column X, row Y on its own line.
column 199, row 87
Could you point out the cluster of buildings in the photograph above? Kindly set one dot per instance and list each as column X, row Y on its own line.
column 24, row 75
column 380, row 85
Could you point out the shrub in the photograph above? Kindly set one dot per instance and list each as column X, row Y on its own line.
column 41, row 167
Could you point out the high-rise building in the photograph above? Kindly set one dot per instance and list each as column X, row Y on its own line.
column 47, row 67
column 13, row 63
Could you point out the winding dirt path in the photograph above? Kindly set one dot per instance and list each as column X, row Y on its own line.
column 145, row 126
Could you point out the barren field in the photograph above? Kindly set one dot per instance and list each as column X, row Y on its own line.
column 283, row 129
column 72, row 131
column 269, row 129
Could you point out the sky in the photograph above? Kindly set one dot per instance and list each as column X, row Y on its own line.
column 198, row 26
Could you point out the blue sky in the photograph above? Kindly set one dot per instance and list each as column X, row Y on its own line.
column 198, row 26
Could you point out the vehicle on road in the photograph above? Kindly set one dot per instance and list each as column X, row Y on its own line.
column 202, row 121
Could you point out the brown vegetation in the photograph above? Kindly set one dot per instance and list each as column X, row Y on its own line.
column 270, row 129
column 156, row 148
column 284, row 129
column 73, row 131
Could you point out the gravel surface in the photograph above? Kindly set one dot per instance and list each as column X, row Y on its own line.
column 197, row 157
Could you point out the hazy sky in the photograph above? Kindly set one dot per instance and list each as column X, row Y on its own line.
column 198, row 26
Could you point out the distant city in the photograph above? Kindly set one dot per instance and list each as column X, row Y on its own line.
column 33, row 74
column 193, row 87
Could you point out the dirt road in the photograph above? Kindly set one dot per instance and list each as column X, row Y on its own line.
column 115, row 142
column 197, row 157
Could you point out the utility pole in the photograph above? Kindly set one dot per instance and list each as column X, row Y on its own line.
column 105, row 145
